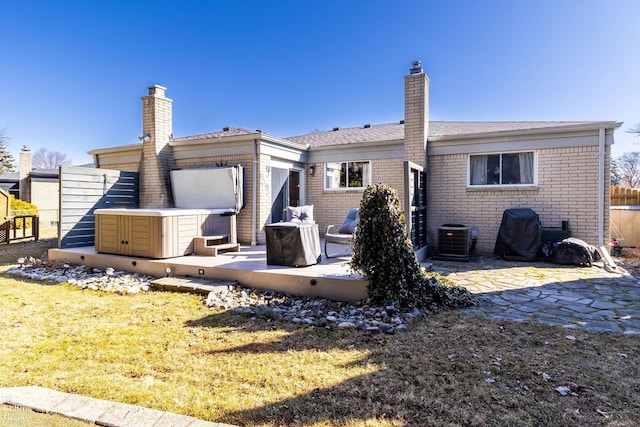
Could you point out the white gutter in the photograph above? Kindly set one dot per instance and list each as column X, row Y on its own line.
column 254, row 195
column 601, row 171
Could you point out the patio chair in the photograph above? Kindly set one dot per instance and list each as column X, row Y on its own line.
column 343, row 234
column 299, row 214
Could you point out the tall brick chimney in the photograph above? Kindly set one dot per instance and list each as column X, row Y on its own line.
column 416, row 115
column 157, row 158
column 24, row 168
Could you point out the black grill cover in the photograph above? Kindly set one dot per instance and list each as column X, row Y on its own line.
column 570, row 251
column 519, row 235
column 292, row 244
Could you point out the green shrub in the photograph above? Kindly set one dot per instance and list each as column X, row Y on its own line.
column 20, row 207
column 384, row 255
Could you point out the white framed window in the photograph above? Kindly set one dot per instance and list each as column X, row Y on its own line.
column 347, row 175
column 503, row 169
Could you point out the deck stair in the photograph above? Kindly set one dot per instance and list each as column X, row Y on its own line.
column 212, row 245
column 192, row 284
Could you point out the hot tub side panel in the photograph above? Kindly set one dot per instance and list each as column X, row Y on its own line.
column 154, row 236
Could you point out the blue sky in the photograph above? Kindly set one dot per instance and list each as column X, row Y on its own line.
column 73, row 72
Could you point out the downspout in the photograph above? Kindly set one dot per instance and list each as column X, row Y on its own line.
column 601, row 177
column 254, row 195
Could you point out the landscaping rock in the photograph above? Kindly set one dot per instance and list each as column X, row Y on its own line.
column 268, row 304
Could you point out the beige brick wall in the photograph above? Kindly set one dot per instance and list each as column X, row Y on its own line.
column 23, row 174
column 331, row 206
column 45, row 195
column 416, row 117
column 264, row 196
column 157, row 158
column 567, row 190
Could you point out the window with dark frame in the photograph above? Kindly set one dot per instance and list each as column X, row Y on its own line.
column 504, row 169
column 343, row 175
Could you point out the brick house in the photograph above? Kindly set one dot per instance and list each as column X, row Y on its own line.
column 37, row 186
column 444, row 172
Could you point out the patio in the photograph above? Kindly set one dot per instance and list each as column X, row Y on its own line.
column 588, row 297
column 331, row 278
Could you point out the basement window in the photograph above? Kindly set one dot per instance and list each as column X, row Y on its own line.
column 347, row 175
column 502, row 169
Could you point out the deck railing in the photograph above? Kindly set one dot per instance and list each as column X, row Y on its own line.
column 19, row 227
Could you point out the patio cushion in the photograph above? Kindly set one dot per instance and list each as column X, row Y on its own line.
column 300, row 214
column 350, row 222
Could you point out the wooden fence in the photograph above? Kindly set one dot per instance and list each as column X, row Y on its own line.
column 621, row 196
column 625, row 216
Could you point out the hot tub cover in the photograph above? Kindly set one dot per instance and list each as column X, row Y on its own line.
column 519, row 235
column 208, row 188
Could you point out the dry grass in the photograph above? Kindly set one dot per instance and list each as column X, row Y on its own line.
column 11, row 416
column 9, row 253
column 168, row 352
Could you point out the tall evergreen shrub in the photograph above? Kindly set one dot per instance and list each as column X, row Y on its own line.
column 384, row 255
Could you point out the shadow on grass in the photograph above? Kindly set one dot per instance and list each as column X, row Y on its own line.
column 396, row 390
column 10, row 252
column 462, row 370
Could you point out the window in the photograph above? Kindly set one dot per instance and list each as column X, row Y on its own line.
column 502, row 169
column 347, row 175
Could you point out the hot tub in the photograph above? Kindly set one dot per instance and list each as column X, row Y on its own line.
column 160, row 233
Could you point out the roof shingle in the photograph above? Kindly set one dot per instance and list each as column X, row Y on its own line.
column 395, row 131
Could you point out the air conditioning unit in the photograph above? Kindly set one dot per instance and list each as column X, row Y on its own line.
column 454, row 241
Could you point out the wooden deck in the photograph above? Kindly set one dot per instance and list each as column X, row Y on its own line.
column 331, row 278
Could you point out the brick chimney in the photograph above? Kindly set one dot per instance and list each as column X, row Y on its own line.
column 416, row 114
column 157, row 158
column 24, row 169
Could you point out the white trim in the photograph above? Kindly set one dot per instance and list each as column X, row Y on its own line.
column 625, row 208
column 517, row 142
column 211, row 149
column 254, row 193
column 116, row 150
column 355, row 152
column 286, row 153
column 303, row 183
column 280, row 164
column 324, row 176
column 601, row 170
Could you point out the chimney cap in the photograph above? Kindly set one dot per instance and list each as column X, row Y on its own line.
column 25, row 148
column 156, row 90
column 416, row 67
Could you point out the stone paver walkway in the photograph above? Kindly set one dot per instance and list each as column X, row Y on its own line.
column 95, row 411
column 588, row 297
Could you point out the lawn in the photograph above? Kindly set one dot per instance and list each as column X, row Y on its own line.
column 169, row 352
